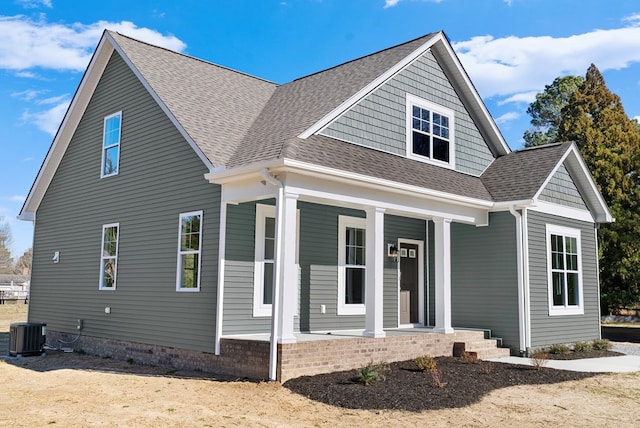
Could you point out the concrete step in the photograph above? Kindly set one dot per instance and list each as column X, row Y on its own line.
column 485, row 349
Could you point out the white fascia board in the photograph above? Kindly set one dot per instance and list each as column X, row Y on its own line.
column 68, row 127
column 161, row 103
column 335, row 113
column 520, row 204
column 563, row 211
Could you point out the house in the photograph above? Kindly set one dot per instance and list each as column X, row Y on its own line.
column 192, row 215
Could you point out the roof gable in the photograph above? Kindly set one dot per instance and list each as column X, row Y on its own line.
column 523, row 176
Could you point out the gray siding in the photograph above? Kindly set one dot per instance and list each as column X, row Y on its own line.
column 160, row 177
column 562, row 190
column 484, row 279
column 379, row 120
column 545, row 329
column 394, row 228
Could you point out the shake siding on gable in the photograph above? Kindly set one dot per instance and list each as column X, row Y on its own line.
column 379, row 120
column 545, row 329
column 484, row 279
column 562, row 190
column 160, row 177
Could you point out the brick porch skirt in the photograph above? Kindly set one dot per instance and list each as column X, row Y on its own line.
column 246, row 358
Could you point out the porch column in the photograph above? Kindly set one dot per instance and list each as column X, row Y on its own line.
column 286, row 273
column 442, row 247
column 375, row 272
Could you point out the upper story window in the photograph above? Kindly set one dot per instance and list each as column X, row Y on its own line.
column 109, row 256
column 351, row 265
column 430, row 130
column 111, row 145
column 189, row 251
column 564, row 269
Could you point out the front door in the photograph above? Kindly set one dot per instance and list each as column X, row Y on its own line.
column 409, row 283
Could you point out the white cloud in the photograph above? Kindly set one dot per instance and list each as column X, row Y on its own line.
column 17, row 198
column 390, row 3
column 28, row 95
column 55, row 100
column 27, row 74
column 26, row 44
column 634, row 19
column 521, row 65
column 32, row 4
column 637, row 118
column 523, row 97
column 48, row 120
column 507, row 117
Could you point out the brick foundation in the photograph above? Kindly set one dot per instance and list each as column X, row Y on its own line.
column 246, row 358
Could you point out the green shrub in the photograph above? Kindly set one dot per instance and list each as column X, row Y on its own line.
column 582, row 347
column 371, row 373
column 601, row 345
column 426, row 363
column 559, row 349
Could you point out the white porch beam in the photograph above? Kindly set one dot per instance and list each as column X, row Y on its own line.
column 374, row 272
column 222, row 246
column 442, row 247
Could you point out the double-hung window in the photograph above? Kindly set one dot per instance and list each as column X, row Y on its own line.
column 351, row 265
column 111, row 145
column 430, row 132
column 109, row 256
column 189, row 251
column 564, row 268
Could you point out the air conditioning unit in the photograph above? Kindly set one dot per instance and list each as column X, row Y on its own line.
column 27, row 338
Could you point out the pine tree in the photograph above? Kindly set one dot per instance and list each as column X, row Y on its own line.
column 546, row 110
column 609, row 141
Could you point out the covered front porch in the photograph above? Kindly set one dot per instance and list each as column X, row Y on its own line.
column 291, row 185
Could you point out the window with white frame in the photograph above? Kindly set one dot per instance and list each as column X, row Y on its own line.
column 264, row 258
column 109, row 256
column 189, row 251
column 564, row 267
column 265, row 248
column 430, row 132
column 111, row 145
column 351, row 265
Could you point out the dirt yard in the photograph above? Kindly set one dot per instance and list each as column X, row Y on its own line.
column 79, row 390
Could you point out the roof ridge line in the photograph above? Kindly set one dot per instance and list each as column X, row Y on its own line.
column 195, row 58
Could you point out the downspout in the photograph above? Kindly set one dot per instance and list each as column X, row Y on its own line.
column 525, row 280
column 521, row 292
column 275, row 299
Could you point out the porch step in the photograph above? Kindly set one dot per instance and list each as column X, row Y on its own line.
column 484, row 348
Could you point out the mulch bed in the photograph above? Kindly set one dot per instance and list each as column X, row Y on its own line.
column 404, row 387
column 573, row 355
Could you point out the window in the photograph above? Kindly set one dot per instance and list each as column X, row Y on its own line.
column 111, row 145
column 109, row 256
column 264, row 257
column 265, row 248
column 564, row 266
column 189, row 250
column 351, row 265
column 429, row 132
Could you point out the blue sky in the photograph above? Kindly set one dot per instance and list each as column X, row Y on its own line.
column 510, row 49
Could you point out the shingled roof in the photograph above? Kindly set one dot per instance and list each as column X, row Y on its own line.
column 215, row 105
column 519, row 175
